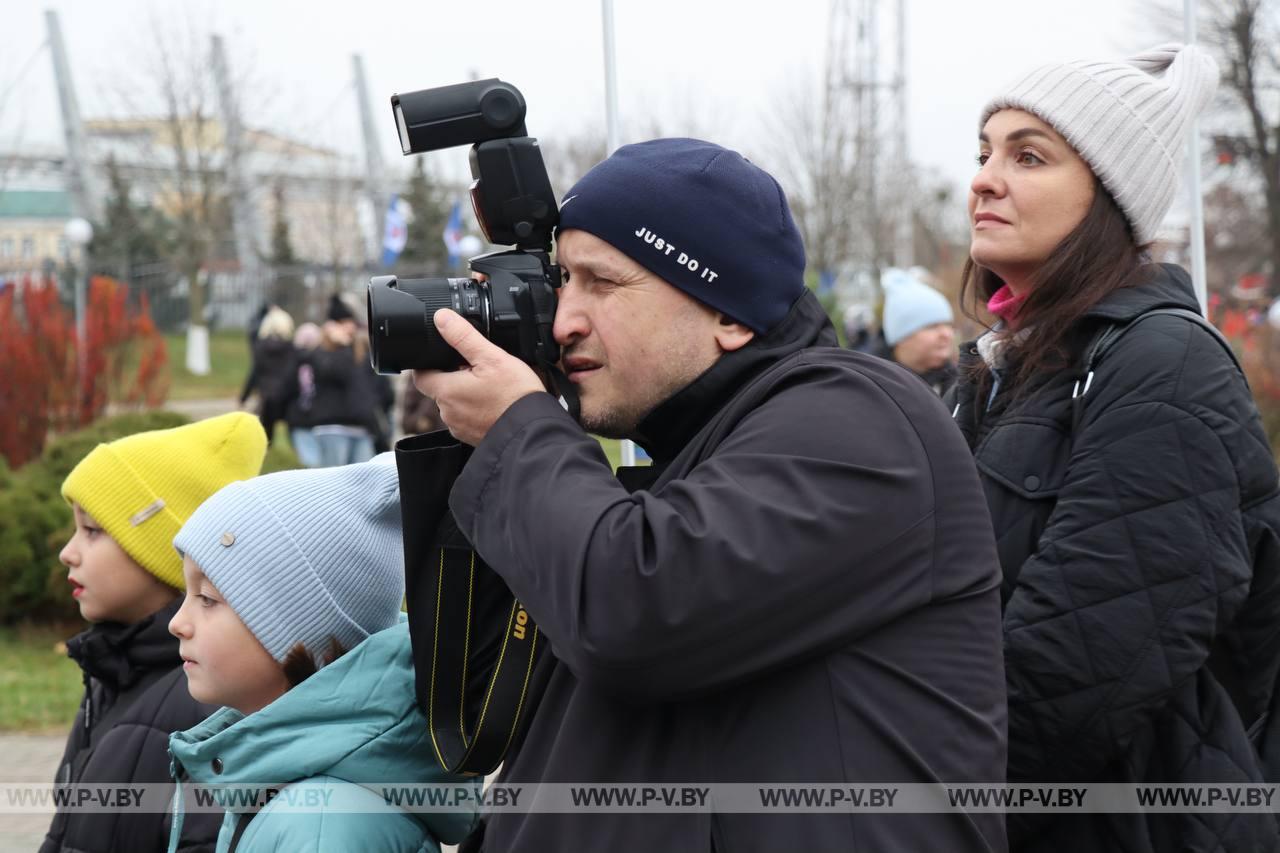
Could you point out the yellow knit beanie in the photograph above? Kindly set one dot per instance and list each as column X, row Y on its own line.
column 144, row 487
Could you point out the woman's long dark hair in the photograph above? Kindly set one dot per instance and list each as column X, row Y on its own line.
column 1096, row 258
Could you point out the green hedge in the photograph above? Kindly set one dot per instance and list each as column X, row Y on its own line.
column 35, row 522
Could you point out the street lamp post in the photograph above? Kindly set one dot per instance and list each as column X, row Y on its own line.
column 1196, row 193
column 78, row 233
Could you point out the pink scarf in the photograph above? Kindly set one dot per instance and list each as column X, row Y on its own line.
column 1005, row 304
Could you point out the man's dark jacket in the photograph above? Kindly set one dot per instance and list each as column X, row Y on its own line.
column 135, row 697
column 1141, row 574
column 804, row 590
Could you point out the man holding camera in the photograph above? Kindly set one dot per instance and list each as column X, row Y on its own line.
column 803, row 588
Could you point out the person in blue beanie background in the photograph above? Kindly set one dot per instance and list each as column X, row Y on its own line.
column 919, row 328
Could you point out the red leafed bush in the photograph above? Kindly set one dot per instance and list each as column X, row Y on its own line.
column 41, row 386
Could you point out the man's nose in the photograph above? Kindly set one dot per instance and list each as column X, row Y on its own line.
column 571, row 323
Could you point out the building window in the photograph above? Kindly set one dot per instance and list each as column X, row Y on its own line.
column 28, row 247
column 6, row 247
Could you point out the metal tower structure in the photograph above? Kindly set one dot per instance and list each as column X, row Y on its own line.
column 374, row 183
column 858, row 94
column 244, row 224
column 80, row 180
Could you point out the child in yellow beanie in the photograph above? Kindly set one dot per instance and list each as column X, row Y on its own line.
column 130, row 497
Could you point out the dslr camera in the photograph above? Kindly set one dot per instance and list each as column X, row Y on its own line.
column 514, row 204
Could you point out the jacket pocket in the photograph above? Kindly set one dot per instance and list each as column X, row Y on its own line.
column 1027, row 456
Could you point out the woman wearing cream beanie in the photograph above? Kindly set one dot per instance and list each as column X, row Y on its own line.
column 1130, row 484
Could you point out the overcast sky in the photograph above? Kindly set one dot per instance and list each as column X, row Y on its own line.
column 720, row 67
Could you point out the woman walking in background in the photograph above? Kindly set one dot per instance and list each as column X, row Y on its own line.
column 274, row 364
column 1132, row 491
column 337, row 407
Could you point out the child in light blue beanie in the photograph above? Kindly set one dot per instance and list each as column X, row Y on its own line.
column 292, row 621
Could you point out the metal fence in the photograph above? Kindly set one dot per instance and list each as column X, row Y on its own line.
column 233, row 298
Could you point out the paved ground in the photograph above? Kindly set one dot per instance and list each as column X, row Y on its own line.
column 200, row 409
column 27, row 758
column 195, row 409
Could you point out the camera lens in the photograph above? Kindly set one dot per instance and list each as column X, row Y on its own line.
column 402, row 331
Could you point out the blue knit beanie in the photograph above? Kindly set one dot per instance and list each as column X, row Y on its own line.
column 700, row 217
column 301, row 556
column 910, row 305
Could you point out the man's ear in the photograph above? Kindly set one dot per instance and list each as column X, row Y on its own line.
column 730, row 334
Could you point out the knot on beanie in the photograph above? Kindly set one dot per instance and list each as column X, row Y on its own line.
column 143, row 487
column 702, row 218
column 910, row 305
column 1126, row 119
column 302, row 556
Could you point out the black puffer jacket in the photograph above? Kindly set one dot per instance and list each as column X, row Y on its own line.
column 1141, row 565
column 135, row 696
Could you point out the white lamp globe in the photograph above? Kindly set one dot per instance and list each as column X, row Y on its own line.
column 78, row 231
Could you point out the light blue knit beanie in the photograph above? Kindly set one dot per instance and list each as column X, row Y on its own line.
column 910, row 305
column 302, row 556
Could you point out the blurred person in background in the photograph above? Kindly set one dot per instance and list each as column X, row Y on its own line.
column 919, row 328
column 347, row 413
column 418, row 413
column 299, row 395
column 274, row 363
column 860, row 334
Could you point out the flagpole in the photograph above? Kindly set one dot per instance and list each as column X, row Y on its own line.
column 611, row 135
column 1198, row 273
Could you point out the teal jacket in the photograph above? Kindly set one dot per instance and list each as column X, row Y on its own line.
column 354, row 721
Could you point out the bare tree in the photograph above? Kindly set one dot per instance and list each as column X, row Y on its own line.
column 568, row 158
column 180, row 149
column 9, row 85
column 940, row 232
column 814, row 156
column 1246, row 37
column 185, row 82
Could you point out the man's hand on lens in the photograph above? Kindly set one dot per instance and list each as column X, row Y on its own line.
column 472, row 398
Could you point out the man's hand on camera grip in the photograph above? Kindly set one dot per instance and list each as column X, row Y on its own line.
column 472, row 398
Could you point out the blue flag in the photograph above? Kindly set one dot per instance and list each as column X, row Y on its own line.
column 395, row 235
column 453, row 233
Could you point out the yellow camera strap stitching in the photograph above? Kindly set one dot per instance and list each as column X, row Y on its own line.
column 466, row 648
column 435, row 655
column 506, row 689
column 484, row 709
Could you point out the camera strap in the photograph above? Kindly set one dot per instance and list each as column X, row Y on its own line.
column 466, row 738
column 474, row 645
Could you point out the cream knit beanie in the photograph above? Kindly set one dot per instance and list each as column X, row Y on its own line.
column 1126, row 119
